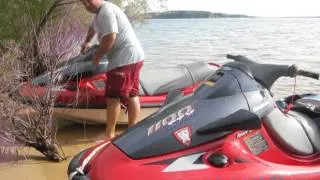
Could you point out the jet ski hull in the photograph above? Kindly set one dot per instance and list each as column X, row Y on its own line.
column 83, row 100
column 95, row 116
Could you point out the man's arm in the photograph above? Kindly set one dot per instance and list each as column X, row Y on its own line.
column 91, row 32
column 105, row 45
column 86, row 44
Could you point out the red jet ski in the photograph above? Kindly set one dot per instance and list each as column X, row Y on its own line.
column 229, row 128
column 80, row 87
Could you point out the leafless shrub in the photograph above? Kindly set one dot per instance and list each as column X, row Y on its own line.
column 8, row 107
column 33, row 126
column 54, row 40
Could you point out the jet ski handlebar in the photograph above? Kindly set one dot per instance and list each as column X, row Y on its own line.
column 267, row 74
column 309, row 74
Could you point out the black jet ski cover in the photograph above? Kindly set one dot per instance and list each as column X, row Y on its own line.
column 309, row 102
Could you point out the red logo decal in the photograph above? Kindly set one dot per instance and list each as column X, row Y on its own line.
column 184, row 135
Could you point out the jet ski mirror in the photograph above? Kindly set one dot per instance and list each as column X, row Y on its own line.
column 239, row 120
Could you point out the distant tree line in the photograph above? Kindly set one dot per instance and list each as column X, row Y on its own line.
column 191, row 14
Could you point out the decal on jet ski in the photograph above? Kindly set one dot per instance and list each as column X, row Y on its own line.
column 183, row 135
column 243, row 133
column 99, row 84
column 171, row 160
column 256, row 143
column 187, row 163
column 171, row 119
column 162, row 162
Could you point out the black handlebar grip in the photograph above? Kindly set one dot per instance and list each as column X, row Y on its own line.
column 229, row 56
column 308, row 74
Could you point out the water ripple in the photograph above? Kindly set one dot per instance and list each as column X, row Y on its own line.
column 266, row 40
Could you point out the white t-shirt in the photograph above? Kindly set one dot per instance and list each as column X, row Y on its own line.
column 127, row 48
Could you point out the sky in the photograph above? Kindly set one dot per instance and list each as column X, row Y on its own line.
column 263, row 8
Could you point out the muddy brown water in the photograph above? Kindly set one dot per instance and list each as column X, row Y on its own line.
column 72, row 137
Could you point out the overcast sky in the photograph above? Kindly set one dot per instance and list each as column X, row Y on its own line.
column 265, row 8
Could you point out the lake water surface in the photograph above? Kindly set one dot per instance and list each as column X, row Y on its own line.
column 168, row 42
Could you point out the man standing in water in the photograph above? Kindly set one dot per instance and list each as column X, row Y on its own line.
column 125, row 54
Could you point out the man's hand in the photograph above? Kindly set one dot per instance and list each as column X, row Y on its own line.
column 95, row 61
column 85, row 47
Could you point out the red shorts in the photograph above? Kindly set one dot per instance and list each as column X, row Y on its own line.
column 123, row 82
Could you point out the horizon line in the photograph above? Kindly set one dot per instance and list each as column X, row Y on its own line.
column 295, row 16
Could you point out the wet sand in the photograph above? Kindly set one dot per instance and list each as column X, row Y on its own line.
column 73, row 138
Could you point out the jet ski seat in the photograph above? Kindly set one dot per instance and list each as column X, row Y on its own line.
column 158, row 81
column 294, row 131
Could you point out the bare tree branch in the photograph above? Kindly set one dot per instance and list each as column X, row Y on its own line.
column 67, row 3
column 37, row 128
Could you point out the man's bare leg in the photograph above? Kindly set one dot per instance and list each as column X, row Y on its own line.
column 133, row 110
column 113, row 113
